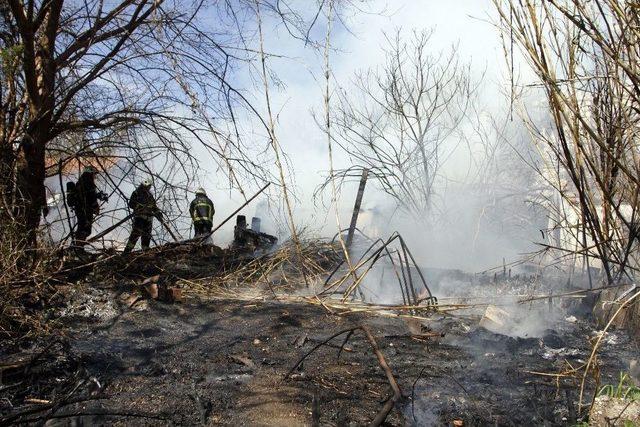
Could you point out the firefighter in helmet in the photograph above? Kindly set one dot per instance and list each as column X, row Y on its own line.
column 202, row 210
column 83, row 198
column 144, row 209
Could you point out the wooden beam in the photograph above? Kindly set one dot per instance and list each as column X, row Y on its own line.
column 356, row 207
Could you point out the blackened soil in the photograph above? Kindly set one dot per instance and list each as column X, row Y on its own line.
column 224, row 362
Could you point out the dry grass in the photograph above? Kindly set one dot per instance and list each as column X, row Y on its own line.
column 26, row 286
column 280, row 270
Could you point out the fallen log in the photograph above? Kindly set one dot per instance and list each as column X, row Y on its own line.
column 388, row 406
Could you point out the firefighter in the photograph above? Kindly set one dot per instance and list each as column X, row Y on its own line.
column 84, row 198
column 202, row 210
column 144, row 209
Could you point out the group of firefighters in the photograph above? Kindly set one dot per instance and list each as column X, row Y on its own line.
column 84, row 197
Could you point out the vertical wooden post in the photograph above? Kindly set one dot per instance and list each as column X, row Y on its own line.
column 356, row 207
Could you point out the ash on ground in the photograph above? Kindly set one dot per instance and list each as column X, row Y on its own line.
column 223, row 361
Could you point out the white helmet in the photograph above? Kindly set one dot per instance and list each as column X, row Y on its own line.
column 147, row 182
column 200, row 190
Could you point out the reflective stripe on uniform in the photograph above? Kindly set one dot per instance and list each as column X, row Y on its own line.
column 199, row 216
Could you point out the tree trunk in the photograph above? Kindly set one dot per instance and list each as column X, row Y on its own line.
column 7, row 165
column 30, row 192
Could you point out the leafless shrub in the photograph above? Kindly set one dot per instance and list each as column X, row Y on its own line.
column 585, row 57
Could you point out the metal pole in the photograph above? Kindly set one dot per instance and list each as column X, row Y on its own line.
column 356, row 207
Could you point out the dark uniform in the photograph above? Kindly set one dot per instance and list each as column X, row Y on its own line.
column 86, row 207
column 202, row 211
column 144, row 209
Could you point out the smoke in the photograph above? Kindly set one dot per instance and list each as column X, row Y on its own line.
column 470, row 227
column 506, row 306
column 381, row 286
column 469, row 231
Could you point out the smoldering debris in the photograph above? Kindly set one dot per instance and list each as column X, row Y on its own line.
column 437, row 350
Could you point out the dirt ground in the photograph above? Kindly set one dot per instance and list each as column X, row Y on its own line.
column 223, row 362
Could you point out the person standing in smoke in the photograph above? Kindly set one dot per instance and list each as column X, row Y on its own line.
column 202, row 211
column 144, row 209
column 83, row 198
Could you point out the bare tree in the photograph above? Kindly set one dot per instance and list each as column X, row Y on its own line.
column 139, row 81
column 401, row 121
column 585, row 56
